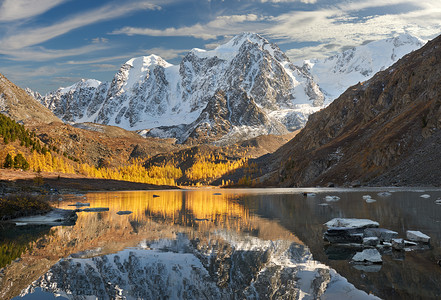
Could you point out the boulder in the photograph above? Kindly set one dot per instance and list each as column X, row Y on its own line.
column 417, row 236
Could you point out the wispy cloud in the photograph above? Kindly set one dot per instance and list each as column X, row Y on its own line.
column 288, row 1
column 220, row 26
column 13, row 10
column 42, row 54
column 337, row 25
column 29, row 37
column 163, row 52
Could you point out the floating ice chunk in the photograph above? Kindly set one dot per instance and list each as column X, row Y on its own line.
column 20, row 224
column 368, row 255
column 95, row 209
column 371, row 241
column 353, row 223
column 385, row 235
column 370, row 200
column 309, row 194
column 368, row 268
column 79, row 204
column 332, row 198
column 124, row 212
column 54, row 217
column 425, row 196
column 365, row 197
column 417, row 236
column 384, row 194
column 398, row 244
column 438, row 201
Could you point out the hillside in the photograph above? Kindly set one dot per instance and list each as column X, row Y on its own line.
column 17, row 104
column 70, row 153
column 384, row 131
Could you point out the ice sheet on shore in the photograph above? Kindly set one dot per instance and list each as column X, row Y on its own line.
column 53, row 218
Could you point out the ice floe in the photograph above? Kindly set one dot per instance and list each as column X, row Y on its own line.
column 417, row 236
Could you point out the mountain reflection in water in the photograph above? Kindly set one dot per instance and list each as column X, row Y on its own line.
column 199, row 244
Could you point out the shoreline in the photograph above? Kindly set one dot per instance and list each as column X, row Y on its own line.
column 45, row 183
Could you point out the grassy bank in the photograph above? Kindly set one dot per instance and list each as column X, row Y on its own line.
column 22, row 205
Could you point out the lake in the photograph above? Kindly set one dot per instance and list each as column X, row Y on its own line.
column 222, row 243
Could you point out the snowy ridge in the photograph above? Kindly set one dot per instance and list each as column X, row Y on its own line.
column 247, row 85
column 147, row 93
column 336, row 73
column 228, row 266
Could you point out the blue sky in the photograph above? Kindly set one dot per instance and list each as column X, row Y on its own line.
column 45, row 44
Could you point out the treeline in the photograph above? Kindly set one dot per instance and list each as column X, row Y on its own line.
column 209, row 167
column 204, row 169
column 11, row 131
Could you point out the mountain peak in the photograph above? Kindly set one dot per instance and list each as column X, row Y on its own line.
column 405, row 38
column 248, row 37
column 83, row 83
column 143, row 62
column 230, row 49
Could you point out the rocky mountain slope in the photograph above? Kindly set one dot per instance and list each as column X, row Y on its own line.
column 336, row 73
column 18, row 105
column 385, row 130
column 246, row 87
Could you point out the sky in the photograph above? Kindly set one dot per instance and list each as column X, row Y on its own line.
column 47, row 44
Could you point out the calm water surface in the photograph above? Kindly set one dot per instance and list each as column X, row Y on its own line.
column 30, row 257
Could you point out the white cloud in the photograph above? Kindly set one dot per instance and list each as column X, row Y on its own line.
column 220, row 26
column 100, row 40
column 338, row 25
column 289, row 1
column 163, row 52
column 13, row 10
column 104, row 67
column 29, row 37
column 43, row 54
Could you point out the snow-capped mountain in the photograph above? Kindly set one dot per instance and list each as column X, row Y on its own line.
column 242, row 89
column 250, row 85
column 336, row 73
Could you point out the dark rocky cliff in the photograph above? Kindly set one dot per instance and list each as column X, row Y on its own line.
column 384, row 131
